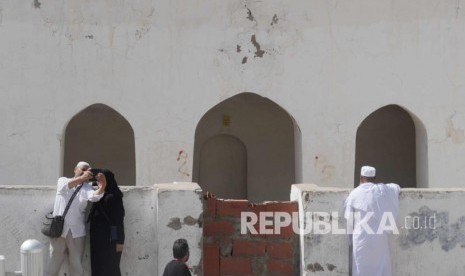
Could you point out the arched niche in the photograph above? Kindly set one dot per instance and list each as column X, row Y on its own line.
column 272, row 143
column 395, row 142
column 101, row 136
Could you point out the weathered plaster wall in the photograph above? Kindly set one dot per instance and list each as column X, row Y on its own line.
column 163, row 64
column 434, row 248
column 179, row 216
column 148, row 244
column 159, row 214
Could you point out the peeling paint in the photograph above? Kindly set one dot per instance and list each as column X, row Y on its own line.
column 315, row 267
column 259, row 52
column 431, row 225
column 330, row 267
column 89, row 36
column 190, row 220
column 175, row 223
column 249, row 14
column 313, row 239
column 244, row 60
column 145, row 257
column 274, row 20
column 142, row 31
column 238, row 48
column 37, row 4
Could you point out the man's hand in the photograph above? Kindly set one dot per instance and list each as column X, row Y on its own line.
column 86, row 175
column 119, row 247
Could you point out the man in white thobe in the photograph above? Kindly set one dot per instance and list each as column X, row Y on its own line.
column 370, row 211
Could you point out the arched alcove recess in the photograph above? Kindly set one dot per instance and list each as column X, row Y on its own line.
column 223, row 166
column 271, row 141
column 101, row 136
column 395, row 142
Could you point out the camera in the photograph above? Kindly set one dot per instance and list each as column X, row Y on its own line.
column 94, row 174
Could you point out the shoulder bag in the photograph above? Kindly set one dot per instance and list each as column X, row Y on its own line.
column 53, row 225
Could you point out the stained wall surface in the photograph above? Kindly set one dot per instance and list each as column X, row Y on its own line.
column 152, row 224
column 163, row 64
column 430, row 240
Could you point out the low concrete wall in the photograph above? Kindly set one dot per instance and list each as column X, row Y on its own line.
column 434, row 247
column 159, row 214
column 22, row 209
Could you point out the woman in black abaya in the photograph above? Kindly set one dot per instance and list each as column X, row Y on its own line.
column 107, row 228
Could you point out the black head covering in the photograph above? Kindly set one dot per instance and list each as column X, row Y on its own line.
column 112, row 186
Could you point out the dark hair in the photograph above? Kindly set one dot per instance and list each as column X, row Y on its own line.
column 180, row 248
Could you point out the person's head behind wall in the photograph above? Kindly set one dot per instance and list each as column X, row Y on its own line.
column 80, row 168
column 181, row 250
column 367, row 174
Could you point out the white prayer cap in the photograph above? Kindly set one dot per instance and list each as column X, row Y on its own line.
column 368, row 171
column 82, row 164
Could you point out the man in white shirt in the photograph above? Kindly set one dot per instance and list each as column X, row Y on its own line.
column 370, row 210
column 72, row 240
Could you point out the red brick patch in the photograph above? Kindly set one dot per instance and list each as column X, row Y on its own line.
column 282, row 250
column 248, row 248
column 278, row 266
column 218, row 228
column 235, row 266
column 211, row 259
column 231, row 208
